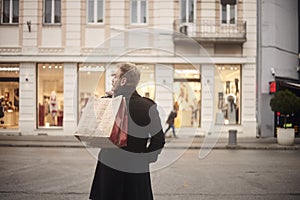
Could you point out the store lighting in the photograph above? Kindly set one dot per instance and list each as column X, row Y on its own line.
column 186, row 71
column 91, row 69
column 44, row 66
column 56, row 66
column 60, row 67
column 50, row 66
column 9, row 69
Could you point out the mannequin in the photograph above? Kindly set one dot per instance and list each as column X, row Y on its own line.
column 53, row 105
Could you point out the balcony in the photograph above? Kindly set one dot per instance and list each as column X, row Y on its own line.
column 210, row 31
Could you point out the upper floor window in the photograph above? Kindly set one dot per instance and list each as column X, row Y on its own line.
column 138, row 11
column 228, row 11
column 52, row 11
column 95, row 11
column 10, row 11
column 187, row 13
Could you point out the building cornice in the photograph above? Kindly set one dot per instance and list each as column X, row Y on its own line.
column 135, row 59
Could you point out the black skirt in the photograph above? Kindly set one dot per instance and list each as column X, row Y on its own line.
column 111, row 184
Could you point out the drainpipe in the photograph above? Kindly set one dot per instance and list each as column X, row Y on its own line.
column 258, row 68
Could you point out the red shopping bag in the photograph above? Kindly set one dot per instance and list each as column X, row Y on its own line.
column 119, row 131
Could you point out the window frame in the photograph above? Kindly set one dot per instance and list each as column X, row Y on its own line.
column 95, row 12
column 52, row 13
column 228, row 12
column 139, row 12
column 11, row 12
column 187, row 6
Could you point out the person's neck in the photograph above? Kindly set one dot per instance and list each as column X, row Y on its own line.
column 126, row 91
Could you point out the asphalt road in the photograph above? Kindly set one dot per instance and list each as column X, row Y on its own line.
column 66, row 173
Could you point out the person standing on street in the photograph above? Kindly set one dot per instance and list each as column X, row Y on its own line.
column 123, row 173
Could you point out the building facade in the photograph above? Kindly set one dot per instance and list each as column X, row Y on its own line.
column 200, row 55
column 278, row 54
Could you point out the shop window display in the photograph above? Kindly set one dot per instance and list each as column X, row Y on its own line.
column 9, row 96
column 146, row 85
column 50, row 95
column 227, row 87
column 187, row 94
column 91, row 81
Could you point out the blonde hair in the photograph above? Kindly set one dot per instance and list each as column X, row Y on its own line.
column 131, row 72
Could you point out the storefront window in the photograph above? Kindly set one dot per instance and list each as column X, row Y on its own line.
column 91, row 81
column 50, row 95
column 187, row 95
column 146, row 85
column 227, row 91
column 9, row 96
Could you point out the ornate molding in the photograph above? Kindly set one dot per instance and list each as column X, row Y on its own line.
column 10, row 50
column 101, row 51
column 51, row 50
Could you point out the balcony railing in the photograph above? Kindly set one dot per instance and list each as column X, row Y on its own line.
column 211, row 31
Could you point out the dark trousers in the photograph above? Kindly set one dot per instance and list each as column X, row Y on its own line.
column 173, row 129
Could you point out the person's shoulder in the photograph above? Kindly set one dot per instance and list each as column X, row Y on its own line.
column 148, row 100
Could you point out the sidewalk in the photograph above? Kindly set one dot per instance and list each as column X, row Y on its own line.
column 183, row 142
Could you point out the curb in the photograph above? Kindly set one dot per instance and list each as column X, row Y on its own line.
column 225, row 147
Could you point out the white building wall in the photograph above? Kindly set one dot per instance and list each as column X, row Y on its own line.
column 279, row 50
column 207, row 100
column 27, row 112
column 9, row 37
column 51, row 36
column 70, row 98
column 164, row 77
column 29, row 40
column 72, row 27
column 94, row 37
column 163, row 14
column 248, row 100
column 249, row 14
column 208, row 10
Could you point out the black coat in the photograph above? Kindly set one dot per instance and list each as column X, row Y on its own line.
column 123, row 173
column 171, row 117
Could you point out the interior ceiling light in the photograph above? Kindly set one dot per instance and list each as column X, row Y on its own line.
column 9, row 69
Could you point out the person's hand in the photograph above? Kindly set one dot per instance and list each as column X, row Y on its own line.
column 109, row 93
